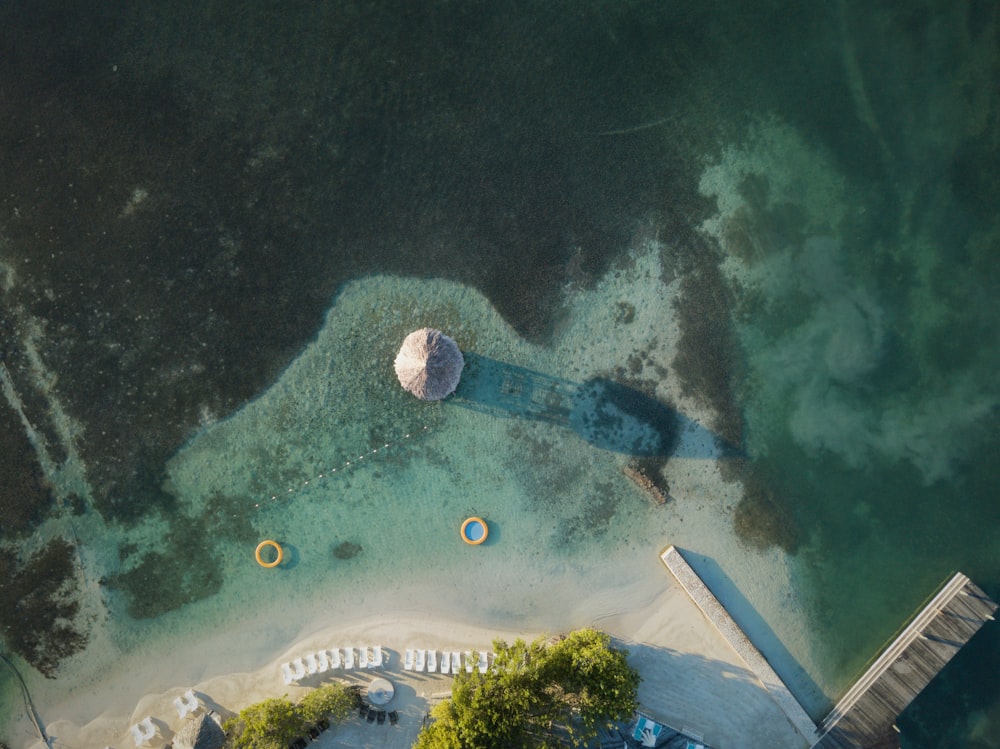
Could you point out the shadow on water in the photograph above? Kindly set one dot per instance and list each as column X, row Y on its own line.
column 290, row 556
column 604, row 413
column 495, row 534
column 806, row 691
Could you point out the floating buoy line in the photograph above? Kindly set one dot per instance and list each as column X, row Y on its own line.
column 340, row 468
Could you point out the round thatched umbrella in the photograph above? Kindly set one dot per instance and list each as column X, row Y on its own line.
column 201, row 733
column 429, row 364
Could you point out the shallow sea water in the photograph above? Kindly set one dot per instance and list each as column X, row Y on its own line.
column 203, row 292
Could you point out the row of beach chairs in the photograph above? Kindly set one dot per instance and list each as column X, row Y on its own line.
column 329, row 660
column 418, row 659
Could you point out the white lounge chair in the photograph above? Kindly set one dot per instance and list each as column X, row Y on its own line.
column 421, row 659
column 432, row 661
column 349, row 658
column 484, row 662
column 311, row 665
column 456, row 661
column 143, row 731
column 322, row 661
column 445, row 661
column 468, row 661
column 286, row 672
column 363, row 657
column 298, row 669
column 335, row 658
column 408, row 660
column 187, row 704
column 376, row 656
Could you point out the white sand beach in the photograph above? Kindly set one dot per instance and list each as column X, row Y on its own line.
column 692, row 680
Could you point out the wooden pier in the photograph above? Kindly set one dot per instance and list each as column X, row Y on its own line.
column 868, row 711
column 865, row 716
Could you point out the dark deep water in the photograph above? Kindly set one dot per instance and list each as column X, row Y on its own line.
column 186, row 185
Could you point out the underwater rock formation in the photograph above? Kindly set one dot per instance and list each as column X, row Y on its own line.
column 347, row 550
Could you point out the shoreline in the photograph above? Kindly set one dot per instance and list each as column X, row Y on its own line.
column 586, row 557
column 688, row 672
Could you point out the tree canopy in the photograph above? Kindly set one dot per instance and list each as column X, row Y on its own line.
column 275, row 723
column 270, row 724
column 331, row 701
column 536, row 696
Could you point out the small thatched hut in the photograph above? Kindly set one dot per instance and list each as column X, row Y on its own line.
column 201, row 733
column 429, row 364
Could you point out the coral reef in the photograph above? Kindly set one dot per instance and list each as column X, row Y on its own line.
column 763, row 517
column 708, row 359
column 645, row 473
column 188, row 567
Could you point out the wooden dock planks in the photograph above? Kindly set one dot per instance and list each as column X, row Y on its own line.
column 870, row 708
column 865, row 716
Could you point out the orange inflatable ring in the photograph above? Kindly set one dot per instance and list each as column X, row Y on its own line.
column 471, row 530
column 277, row 559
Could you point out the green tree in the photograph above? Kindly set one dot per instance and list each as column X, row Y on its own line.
column 334, row 701
column 271, row 724
column 597, row 682
column 536, row 696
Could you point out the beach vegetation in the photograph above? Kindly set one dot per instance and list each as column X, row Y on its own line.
column 271, row 724
column 275, row 723
column 537, row 695
column 331, row 701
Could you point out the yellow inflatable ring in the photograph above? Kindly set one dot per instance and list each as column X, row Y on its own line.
column 474, row 531
column 277, row 559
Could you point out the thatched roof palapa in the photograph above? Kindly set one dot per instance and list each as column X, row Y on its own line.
column 429, row 364
column 201, row 733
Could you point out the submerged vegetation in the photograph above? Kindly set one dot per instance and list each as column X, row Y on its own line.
column 764, row 516
column 537, row 695
column 24, row 497
column 188, row 568
column 38, row 607
column 708, row 359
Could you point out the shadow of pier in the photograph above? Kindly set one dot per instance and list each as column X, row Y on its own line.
column 607, row 414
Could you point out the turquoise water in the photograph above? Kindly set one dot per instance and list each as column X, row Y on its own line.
column 220, row 220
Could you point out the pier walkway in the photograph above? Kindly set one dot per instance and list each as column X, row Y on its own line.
column 869, row 708
column 865, row 716
column 716, row 613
